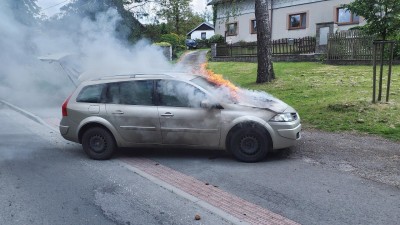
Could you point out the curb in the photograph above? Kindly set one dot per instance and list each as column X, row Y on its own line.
column 185, row 195
column 27, row 114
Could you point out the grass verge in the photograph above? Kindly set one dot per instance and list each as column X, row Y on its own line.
column 327, row 97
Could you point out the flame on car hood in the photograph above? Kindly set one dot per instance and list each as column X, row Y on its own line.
column 243, row 97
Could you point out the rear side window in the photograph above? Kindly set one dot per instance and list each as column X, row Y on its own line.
column 91, row 94
column 131, row 93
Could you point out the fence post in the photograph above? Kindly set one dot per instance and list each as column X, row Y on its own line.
column 374, row 75
column 390, row 71
column 382, row 44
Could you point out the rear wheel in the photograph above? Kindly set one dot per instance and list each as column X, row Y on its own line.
column 249, row 143
column 98, row 143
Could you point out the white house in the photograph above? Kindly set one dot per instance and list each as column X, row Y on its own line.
column 203, row 31
column 289, row 18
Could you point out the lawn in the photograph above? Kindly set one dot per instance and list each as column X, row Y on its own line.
column 327, row 97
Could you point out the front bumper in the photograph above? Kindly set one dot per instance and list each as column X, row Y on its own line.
column 286, row 134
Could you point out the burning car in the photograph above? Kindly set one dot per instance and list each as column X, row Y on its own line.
column 180, row 110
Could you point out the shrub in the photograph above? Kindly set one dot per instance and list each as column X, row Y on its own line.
column 177, row 42
column 162, row 44
column 203, row 43
column 217, row 38
column 174, row 39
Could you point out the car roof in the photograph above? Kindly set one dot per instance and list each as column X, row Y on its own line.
column 140, row 76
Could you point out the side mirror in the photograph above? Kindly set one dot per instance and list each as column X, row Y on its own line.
column 205, row 104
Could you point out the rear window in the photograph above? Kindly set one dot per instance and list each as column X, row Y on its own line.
column 91, row 94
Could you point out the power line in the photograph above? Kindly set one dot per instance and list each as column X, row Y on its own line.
column 55, row 5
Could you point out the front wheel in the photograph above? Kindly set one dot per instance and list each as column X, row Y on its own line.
column 249, row 143
column 98, row 143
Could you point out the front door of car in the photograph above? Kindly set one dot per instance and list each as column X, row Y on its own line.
column 131, row 109
column 182, row 120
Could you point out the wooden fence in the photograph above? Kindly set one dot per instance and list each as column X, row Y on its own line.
column 284, row 46
column 350, row 45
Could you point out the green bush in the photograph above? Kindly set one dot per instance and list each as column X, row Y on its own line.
column 174, row 39
column 203, row 43
column 177, row 42
column 217, row 38
column 162, row 44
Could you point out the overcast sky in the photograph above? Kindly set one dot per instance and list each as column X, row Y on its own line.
column 50, row 7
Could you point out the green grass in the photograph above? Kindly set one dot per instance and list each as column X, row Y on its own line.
column 327, row 97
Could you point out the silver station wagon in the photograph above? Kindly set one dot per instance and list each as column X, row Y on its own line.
column 189, row 111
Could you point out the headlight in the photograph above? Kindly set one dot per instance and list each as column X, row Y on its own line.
column 284, row 117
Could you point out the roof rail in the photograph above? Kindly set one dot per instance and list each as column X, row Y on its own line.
column 136, row 75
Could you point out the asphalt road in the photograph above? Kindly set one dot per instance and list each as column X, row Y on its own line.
column 46, row 180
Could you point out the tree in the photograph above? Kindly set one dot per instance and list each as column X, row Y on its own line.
column 382, row 16
column 128, row 28
column 175, row 12
column 25, row 11
column 192, row 21
column 265, row 70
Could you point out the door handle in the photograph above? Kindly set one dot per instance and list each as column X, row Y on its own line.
column 118, row 112
column 167, row 114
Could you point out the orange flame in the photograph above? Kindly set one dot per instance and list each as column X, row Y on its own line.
column 218, row 79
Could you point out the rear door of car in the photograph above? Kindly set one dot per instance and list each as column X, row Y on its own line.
column 182, row 120
column 131, row 109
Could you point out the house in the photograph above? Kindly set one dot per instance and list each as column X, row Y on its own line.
column 203, row 31
column 289, row 18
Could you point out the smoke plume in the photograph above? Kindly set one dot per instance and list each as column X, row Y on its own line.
column 31, row 73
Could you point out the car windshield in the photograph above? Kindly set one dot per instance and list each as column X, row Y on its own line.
column 204, row 83
column 220, row 92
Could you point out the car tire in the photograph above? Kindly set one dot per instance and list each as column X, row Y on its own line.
column 98, row 143
column 249, row 143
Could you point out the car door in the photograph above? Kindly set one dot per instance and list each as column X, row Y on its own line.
column 130, row 108
column 182, row 120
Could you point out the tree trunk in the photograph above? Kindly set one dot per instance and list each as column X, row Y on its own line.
column 265, row 70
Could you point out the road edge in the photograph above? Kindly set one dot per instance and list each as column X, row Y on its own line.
column 26, row 114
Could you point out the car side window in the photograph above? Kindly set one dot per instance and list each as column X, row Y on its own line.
column 91, row 94
column 131, row 93
column 179, row 94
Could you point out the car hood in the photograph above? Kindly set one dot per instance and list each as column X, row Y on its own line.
column 261, row 100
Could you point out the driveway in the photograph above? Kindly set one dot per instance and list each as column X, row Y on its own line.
column 192, row 60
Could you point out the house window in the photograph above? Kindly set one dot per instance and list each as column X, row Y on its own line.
column 344, row 16
column 253, row 26
column 231, row 29
column 297, row 21
column 203, row 35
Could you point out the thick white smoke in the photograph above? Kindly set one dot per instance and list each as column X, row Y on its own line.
column 90, row 46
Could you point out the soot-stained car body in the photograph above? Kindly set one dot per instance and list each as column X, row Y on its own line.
column 175, row 110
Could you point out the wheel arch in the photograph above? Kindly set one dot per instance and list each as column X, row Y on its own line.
column 97, row 122
column 241, row 122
